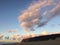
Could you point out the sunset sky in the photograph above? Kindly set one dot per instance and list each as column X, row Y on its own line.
column 10, row 10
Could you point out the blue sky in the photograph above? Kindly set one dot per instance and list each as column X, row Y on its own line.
column 11, row 9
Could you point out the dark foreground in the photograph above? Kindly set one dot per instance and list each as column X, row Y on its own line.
column 55, row 40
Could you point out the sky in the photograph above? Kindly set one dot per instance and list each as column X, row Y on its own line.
column 10, row 10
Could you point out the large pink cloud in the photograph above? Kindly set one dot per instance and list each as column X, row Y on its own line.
column 31, row 16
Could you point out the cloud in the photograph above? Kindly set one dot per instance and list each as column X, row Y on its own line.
column 44, row 33
column 56, row 10
column 8, row 31
column 52, row 13
column 15, row 30
column 32, row 16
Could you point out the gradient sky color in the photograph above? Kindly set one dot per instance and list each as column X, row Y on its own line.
column 11, row 9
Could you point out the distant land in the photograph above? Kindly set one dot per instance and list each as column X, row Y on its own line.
column 53, row 39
